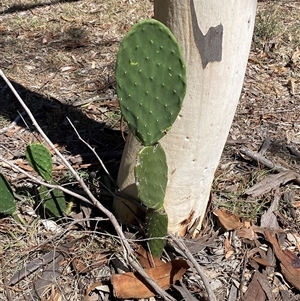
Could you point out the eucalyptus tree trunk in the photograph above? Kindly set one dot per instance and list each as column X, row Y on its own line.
column 215, row 38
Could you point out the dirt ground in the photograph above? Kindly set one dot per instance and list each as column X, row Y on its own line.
column 60, row 57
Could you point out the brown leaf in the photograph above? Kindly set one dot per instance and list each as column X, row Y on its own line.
column 270, row 182
column 228, row 220
column 254, row 291
column 261, row 258
column 227, row 245
column 246, row 233
column 132, row 285
column 24, row 165
column 262, row 261
column 297, row 204
column 264, row 283
column 55, row 295
column 147, row 260
column 289, row 262
column 268, row 219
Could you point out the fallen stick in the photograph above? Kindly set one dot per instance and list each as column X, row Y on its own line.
column 266, row 162
column 198, row 268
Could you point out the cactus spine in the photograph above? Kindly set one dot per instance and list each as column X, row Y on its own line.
column 151, row 85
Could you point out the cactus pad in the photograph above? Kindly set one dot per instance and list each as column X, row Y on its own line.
column 151, row 174
column 40, row 159
column 7, row 200
column 53, row 201
column 156, row 226
column 151, row 80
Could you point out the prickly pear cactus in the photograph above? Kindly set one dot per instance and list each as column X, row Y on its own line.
column 151, row 85
column 7, row 200
column 151, row 80
column 151, row 174
column 156, row 226
column 40, row 160
column 53, row 201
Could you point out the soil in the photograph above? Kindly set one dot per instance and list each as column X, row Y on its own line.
column 60, row 57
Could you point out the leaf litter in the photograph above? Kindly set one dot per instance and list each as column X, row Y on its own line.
column 61, row 57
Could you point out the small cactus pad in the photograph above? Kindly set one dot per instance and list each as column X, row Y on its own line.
column 156, row 226
column 40, row 159
column 151, row 80
column 151, row 174
column 53, row 201
column 7, row 200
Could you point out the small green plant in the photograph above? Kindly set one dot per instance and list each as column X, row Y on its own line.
column 151, row 85
column 40, row 160
column 268, row 26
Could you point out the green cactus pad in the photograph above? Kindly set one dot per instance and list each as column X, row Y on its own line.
column 40, row 159
column 7, row 200
column 53, row 201
column 156, row 226
column 151, row 174
column 151, row 80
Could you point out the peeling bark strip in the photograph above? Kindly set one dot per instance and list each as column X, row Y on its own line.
column 209, row 45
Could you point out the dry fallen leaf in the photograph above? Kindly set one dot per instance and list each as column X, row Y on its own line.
column 246, row 233
column 289, row 262
column 270, row 182
column 262, row 261
column 297, row 204
column 268, row 219
column 146, row 259
column 228, row 220
column 24, row 165
column 132, row 285
column 55, row 295
column 254, row 291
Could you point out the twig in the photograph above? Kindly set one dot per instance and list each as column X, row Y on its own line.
column 198, row 268
column 4, row 275
column 40, row 182
column 89, row 100
column 17, row 119
column 126, row 246
column 261, row 159
column 93, row 150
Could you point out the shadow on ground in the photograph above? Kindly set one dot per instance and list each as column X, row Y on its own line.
column 24, row 7
column 51, row 116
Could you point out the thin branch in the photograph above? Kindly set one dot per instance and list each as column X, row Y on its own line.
column 266, row 162
column 126, row 246
column 198, row 268
column 261, row 159
column 15, row 122
column 93, row 150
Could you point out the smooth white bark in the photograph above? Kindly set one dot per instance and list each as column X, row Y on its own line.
column 215, row 38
